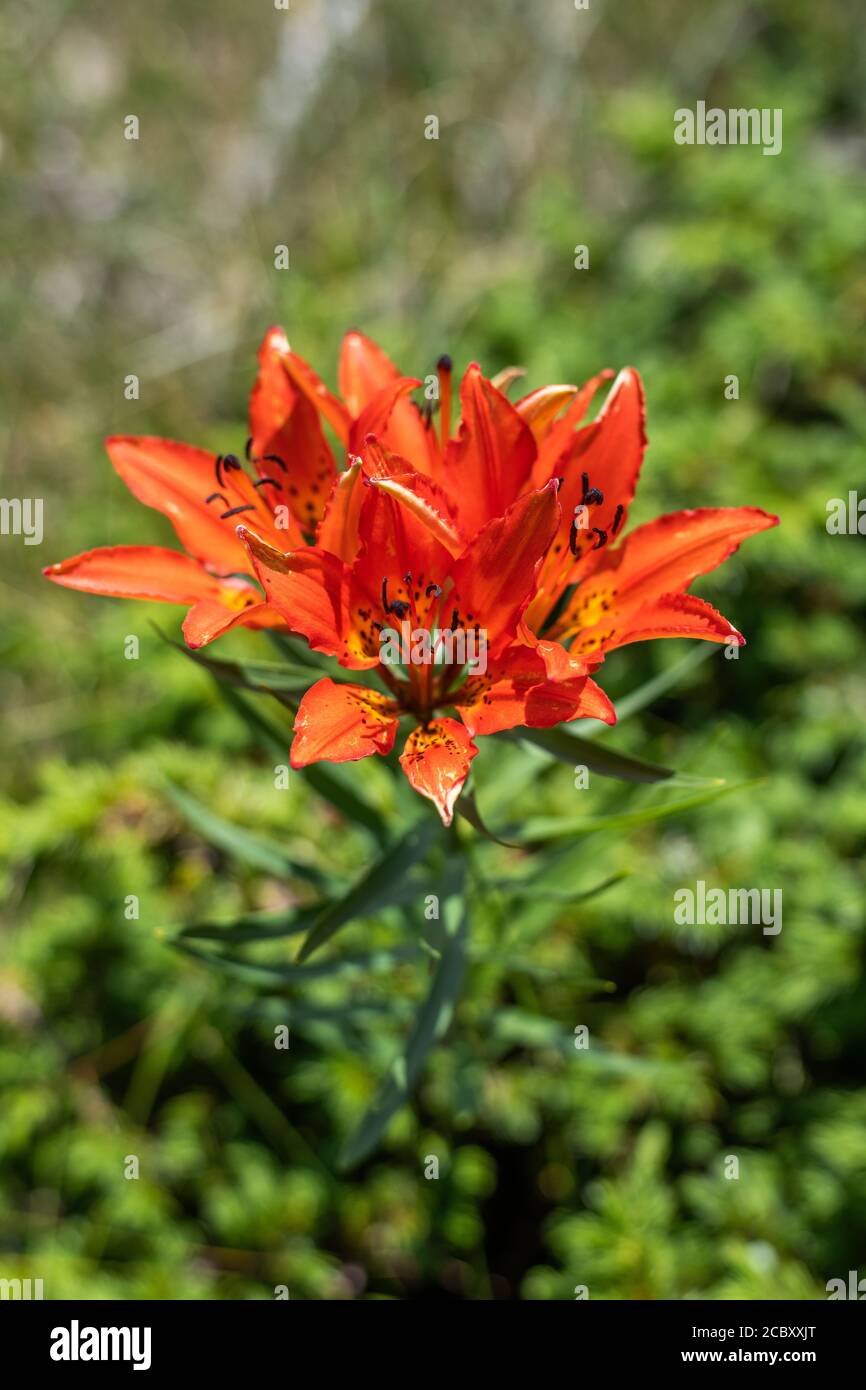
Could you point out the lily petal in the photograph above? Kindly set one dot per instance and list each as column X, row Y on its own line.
column 516, row 691
column 329, row 406
column 609, row 452
column 309, row 589
column 289, row 445
column 489, row 463
column 341, row 723
column 671, row 615
column 495, row 577
column 210, row 618
column 378, row 413
column 338, row 529
column 436, row 760
column 176, row 480
column 540, row 408
column 136, row 571
column 666, row 554
column 559, row 438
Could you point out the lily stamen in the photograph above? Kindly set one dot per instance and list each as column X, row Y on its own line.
column 234, row 511
column 443, row 368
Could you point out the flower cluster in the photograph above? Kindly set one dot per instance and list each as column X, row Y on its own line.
column 511, row 527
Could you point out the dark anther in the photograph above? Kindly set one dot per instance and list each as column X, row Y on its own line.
column 233, row 511
column 617, row 519
column 397, row 606
column 218, row 469
column 248, row 450
column 602, row 538
column 444, row 364
column 455, row 618
column 231, row 461
column 275, row 458
column 584, row 484
column 433, row 589
column 594, row 497
column 273, row 482
column 217, row 494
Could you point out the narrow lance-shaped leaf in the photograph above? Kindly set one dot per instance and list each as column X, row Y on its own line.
column 571, row 749
column 431, row 1024
column 652, row 689
column 239, row 843
column 380, row 887
column 555, row 827
column 260, row 973
column 467, row 807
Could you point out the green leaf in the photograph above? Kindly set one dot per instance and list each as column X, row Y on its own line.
column 431, row 1024
column 467, row 807
column 331, row 785
column 571, row 749
column 522, row 888
column 259, row 926
column 260, row 973
column 270, row 677
column 384, row 885
column 241, row 844
column 651, row 690
column 555, row 827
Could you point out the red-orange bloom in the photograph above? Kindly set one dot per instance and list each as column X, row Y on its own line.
column 205, row 496
column 506, row 533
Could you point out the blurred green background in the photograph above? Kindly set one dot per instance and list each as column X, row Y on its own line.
column 557, row 1168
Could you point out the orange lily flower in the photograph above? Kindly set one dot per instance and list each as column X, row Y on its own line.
column 204, row 495
column 508, row 530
